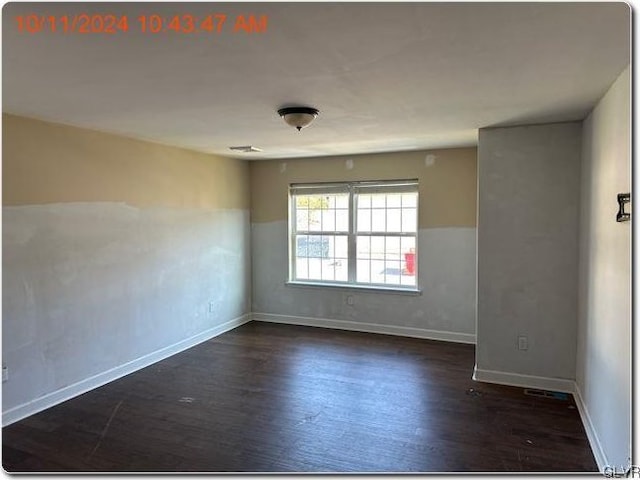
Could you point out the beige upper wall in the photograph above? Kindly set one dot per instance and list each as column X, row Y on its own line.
column 447, row 181
column 45, row 162
column 51, row 163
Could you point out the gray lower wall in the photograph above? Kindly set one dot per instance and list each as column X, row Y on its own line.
column 447, row 259
column 528, row 193
column 89, row 287
column 604, row 329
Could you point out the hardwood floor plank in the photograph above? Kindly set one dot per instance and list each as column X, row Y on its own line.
column 280, row 398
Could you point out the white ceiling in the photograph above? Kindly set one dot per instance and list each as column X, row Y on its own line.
column 385, row 76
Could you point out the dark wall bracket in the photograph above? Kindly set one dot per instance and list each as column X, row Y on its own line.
column 623, row 199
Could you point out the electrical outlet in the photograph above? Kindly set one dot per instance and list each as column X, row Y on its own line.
column 212, row 307
column 523, row 342
column 5, row 373
column 349, row 300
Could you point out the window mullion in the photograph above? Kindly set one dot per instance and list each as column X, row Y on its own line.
column 352, row 264
column 293, row 255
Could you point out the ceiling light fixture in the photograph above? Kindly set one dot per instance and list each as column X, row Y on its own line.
column 298, row 117
column 245, row 149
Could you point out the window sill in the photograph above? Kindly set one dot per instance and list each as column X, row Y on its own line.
column 360, row 288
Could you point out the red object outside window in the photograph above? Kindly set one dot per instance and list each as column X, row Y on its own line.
column 410, row 261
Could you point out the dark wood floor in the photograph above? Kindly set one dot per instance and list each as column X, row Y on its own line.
column 278, row 398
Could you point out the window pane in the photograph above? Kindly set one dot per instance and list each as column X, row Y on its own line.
column 312, row 202
column 315, row 220
column 327, row 257
column 302, row 268
column 335, row 267
column 328, row 220
column 378, row 200
column 392, row 272
column 410, row 199
column 363, row 247
column 364, row 219
column 302, row 201
column 392, row 250
column 407, row 245
column 389, row 257
column 341, row 247
column 409, row 221
column 342, row 220
column 342, row 270
column 393, row 220
column 364, row 201
column 408, row 280
column 302, row 220
column 318, row 202
column 342, row 200
column 363, row 255
column 377, row 271
column 315, row 269
column 394, row 200
column 362, row 274
column 377, row 248
column 378, row 217
column 301, row 245
column 328, row 269
column 317, row 246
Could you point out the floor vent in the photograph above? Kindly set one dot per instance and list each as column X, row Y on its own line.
column 546, row 393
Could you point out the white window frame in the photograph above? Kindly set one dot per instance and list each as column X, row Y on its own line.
column 353, row 189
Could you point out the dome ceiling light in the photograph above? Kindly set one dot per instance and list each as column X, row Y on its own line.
column 298, row 117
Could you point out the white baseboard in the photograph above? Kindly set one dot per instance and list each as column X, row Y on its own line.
column 366, row 327
column 49, row 400
column 594, row 441
column 527, row 381
column 491, row 376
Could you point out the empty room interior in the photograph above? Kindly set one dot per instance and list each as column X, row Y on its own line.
column 316, row 237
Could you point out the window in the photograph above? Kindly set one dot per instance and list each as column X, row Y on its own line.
column 358, row 233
